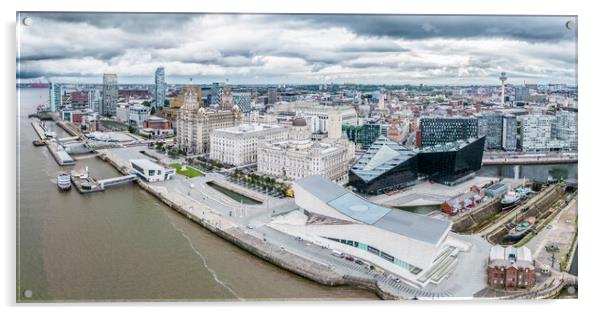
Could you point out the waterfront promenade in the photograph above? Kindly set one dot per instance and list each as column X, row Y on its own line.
column 247, row 227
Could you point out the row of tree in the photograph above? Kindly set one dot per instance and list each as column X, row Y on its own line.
column 265, row 183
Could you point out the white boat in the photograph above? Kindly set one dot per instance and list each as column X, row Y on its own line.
column 64, row 181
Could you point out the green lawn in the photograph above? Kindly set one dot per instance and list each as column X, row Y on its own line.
column 189, row 172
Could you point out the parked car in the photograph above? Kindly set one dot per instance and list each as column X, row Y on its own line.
column 359, row 262
column 336, row 253
column 349, row 258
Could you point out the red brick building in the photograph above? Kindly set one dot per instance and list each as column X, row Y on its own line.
column 155, row 122
column 461, row 202
column 510, row 268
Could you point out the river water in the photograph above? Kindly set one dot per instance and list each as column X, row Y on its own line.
column 122, row 244
column 534, row 172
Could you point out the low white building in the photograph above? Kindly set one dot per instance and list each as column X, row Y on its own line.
column 239, row 145
column 413, row 246
column 151, row 171
column 137, row 114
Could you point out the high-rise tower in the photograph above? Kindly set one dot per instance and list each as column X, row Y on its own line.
column 503, row 78
column 109, row 94
column 160, row 87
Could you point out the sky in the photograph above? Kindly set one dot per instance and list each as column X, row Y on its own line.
column 301, row 49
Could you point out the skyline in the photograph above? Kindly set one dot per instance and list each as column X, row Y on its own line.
column 282, row 48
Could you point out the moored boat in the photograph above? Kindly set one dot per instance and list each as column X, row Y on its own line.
column 513, row 198
column 510, row 200
column 39, row 143
column 522, row 229
column 63, row 181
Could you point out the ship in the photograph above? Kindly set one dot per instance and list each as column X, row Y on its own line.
column 514, row 198
column 522, row 229
column 511, row 200
column 39, row 143
column 64, row 181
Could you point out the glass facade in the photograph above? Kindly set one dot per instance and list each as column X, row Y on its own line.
column 400, row 176
column 375, row 251
column 365, row 134
column 386, row 166
column 435, row 131
column 446, row 165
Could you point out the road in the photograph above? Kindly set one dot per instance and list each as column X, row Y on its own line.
column 562, row 229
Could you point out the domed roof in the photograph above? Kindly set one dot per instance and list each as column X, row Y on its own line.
column 299, row 122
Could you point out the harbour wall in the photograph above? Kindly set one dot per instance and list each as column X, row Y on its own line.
column 484, row 212
column 284, row 259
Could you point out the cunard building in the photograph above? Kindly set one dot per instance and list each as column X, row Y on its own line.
column 299, row 156
column 194, row 123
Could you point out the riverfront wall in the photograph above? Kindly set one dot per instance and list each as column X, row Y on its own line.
column 296, row 264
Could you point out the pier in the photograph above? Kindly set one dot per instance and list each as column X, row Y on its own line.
column 109, row 182
column 38, row 129
column 84, row 184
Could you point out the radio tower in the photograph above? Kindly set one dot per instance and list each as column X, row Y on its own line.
column 503, row 78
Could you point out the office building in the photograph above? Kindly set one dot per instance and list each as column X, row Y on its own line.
column 272, row 96
column 435, row 131
column 109, row 94
column 500, row 131
column 239, row 145
column 509, row 133
column 363, row 135
column 243, row 101
column 216, row 94
column 491, row 126
column 56, row 97
column 160, row 87
column 316, row 115
column 521, row 95
column 565, row 129
column 536, row 133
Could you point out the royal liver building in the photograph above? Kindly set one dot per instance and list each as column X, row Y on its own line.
column 194, row 123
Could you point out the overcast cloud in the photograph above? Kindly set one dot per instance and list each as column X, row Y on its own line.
column 79, row 47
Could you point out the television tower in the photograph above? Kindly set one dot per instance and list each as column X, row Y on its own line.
column 503, row 78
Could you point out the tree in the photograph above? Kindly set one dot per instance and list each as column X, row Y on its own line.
column 132, row 129
column 146, row 103
column 166, row 103
column 153, row 110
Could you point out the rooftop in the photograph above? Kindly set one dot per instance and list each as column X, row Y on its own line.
column 248, row 128
column 382, row 156
column 408, row 224
column 449, row 146
column 146, row 164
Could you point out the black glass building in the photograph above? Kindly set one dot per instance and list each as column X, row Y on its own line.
column 386, row 166
column 446, row 163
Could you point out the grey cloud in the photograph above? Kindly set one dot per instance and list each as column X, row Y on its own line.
column 131, row 22
column 530, row 28
column 126, row 40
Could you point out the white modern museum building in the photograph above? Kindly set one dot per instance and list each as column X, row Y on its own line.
column 416, row 247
